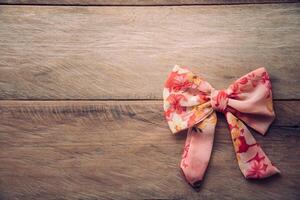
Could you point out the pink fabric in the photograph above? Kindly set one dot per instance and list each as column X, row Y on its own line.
column 190, row 103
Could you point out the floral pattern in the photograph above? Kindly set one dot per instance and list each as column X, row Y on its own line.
column 190, row 104
column 252, row 161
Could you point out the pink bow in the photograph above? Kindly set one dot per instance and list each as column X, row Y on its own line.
column 190, row 103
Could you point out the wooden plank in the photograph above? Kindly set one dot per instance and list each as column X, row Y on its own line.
column 124, row 150
column 140, row 2
column 59, row 52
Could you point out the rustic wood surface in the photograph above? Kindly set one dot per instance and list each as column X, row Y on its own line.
column 81, row 86
column 127, row 52
column 140, row 2
column 91, row 149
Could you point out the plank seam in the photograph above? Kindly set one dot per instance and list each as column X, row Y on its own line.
column 105, row 100
column 151, row 5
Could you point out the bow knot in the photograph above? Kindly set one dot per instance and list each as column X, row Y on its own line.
column 219, row 100
column 190, row 104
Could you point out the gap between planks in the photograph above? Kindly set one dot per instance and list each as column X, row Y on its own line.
column 105, row 100
column 141, row 3
column 287, row 112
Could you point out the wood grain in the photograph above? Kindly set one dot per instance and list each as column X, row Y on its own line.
column 124, row 150
column 74, row 149
column 57, row 52
column 140, row 2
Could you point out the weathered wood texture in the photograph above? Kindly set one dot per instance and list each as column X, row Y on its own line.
column 62, row 52
column 124, row 150
column 140, row 2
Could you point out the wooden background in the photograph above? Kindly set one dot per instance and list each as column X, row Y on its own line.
column 81, row 95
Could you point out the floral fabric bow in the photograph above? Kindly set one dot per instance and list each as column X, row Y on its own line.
column 190, row 103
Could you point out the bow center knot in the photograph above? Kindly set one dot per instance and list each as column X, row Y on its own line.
column 219, row 100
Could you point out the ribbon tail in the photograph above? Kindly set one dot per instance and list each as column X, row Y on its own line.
column 197, row 150
column 252, row 160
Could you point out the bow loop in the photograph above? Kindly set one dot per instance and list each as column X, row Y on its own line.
column 190, row 103
column 250, row 99
column 186, row 99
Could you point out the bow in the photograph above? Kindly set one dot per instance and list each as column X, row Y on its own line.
column 190, row 103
